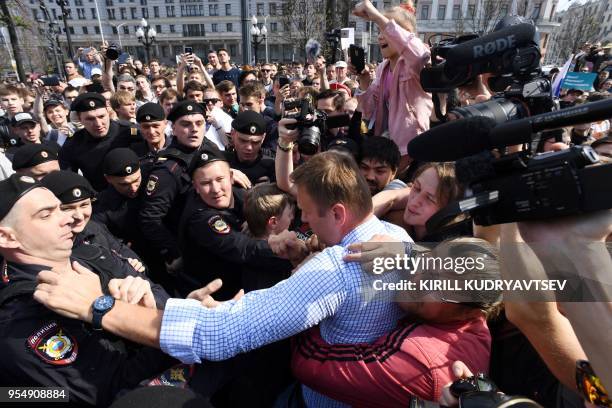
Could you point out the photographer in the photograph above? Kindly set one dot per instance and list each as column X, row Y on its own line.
column 395, row 100
column 87, row 59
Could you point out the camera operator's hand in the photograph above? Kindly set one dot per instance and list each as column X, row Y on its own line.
column 460, row 370
column 288, row 135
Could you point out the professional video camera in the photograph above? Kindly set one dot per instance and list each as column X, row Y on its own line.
column 311, row 122
column 479, row 392
column 518, row 186
column 510, row 53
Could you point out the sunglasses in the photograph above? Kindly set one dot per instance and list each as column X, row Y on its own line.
column 266, row 70
column 213, row 101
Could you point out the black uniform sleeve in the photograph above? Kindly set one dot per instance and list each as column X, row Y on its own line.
column 212, row 232
column 161, row 190
column 66, row 155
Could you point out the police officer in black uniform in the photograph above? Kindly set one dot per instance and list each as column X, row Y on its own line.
column 152, row 120
column 35, row 160
column 248, row 134
column 210, row 231
column 75, row 194
column 43, row 348
column 168, row 184
column 86, row 149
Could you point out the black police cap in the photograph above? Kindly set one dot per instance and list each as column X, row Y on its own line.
column 69, row 187
column 207, row 154
column 150, row 112
column 22, row 117
column 185, row 108
column 12, row 189
column 87, row 102
column 120, row 162
column 33, row 154
column 344, row 144
column 250, row 123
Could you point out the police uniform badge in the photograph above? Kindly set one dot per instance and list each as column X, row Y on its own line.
column 218, row 225
column 53, row 345
column 152, row 184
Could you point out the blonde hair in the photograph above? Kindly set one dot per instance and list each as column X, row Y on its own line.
column 121, row 98
column 404, row 15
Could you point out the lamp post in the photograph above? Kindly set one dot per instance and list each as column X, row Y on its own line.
column 117, row 27
column 146, row 35
column 258, row 34
column 65, row 12
column 52, row 33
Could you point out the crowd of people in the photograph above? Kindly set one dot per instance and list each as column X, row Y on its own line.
column 208, row 227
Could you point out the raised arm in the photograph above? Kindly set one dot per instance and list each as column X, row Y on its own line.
column 283, row 163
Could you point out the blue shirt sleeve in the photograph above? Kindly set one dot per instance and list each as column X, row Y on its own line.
column 191, row 332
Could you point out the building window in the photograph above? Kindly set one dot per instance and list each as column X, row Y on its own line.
column 93, row 13
column 441, row 12
column 425, row 12
column 536, row 11
column 122, row 10
column 35, row 14
column 97, row 29
column 228, row 9
column 78, row 2
column 233, row 50
column 213, row 27
column 170, row 11
column 272, row 9
column 193, row 30
column 192, row 10
column 133, row 12
column 456, row 12
column 143, row 2
column 213, row 9
column 145, row 12
column 273, row 27
column 114, row 30
column 126, row 30
column 111, row 14
column 472, row 10
column 158, row 28
column 109, row 3
column 85, row 30
column 71, row 30
column 229, row 27
column 54, row 12
column 156, row 11
column 172, row 29
column 260, row 9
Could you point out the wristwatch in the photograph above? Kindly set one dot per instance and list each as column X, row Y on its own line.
column 284, row 147
column 101, row 306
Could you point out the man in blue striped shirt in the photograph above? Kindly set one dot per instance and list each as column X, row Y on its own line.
column 335, row 201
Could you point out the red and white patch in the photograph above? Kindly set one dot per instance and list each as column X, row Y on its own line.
column 53, row 345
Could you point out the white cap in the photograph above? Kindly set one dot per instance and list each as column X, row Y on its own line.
column 341, row 64
column 96, row 71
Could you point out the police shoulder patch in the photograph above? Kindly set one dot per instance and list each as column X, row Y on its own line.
column 218, row 225
column 152, row 184
column 53, row 345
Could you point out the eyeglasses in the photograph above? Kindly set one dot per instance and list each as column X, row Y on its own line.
column 266, row 70
column 212, row 100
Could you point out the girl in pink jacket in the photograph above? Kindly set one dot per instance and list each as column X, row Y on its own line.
column 395, row 100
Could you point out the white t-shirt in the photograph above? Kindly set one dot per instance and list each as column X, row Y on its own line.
column 225, row 122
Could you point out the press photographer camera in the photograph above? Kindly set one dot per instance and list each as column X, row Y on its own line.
column 478, row 392
column 113, row 52
column 524, row 185
column 511, row 54
column 312, row 123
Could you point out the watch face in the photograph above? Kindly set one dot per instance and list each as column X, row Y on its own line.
column 103, row 303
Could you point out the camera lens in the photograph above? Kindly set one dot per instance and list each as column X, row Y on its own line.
column 112, row 52
column 500, row 110
column 309, row 140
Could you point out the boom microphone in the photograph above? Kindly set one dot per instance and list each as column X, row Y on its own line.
column 493, row 44
column 465, row 137
column 453, row 140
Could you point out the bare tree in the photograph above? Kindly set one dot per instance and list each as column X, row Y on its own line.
column 303, row 19
column 11, row 16
column 482, row 16
column 579, row 25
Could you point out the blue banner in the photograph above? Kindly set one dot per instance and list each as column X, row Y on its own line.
column 579, row 80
